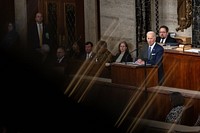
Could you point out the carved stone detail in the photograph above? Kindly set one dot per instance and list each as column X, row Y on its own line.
column 184, row 11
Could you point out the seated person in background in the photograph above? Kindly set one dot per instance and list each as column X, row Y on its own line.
column 75, row 52
column 103, row 55
column 88, row 54
column 61, row 56
column 123, row 54
column 177, row 101
column 152, row 54
column 164, row 36
column 11, row 39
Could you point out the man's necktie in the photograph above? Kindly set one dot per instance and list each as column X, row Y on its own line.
column 162, row 40
column 40, row 34
column 149, row 53
column 58, row 60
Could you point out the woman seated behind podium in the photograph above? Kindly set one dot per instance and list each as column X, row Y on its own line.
column 177, row 101
column 123, row 54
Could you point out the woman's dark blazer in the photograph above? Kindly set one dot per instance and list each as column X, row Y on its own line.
column 126, row 57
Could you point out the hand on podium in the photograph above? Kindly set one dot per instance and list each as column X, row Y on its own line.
column 140, row 62
column 107, row 64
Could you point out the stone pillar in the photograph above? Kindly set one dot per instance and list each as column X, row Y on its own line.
column 21, row 21
column 91, row 24
column 117, row 20
column 196, row 24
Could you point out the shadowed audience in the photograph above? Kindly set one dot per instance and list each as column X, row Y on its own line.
column 32, row 101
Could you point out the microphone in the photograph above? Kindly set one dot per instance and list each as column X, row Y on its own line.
column 145, row 59
column 130, row 53
column 133, row 50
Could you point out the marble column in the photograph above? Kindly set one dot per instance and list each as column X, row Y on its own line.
column 21, row 21
column 117, row 22
column 91, row 24
column 196, row 24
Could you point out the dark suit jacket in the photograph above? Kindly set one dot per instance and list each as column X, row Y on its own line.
column 92, row 56
column 126, row 57
column 155, row 58
column 63, row 62
column 168, row 40
column 34, row 37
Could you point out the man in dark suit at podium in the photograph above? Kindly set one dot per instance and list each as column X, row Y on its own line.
column 152, row 54
column 164, row 36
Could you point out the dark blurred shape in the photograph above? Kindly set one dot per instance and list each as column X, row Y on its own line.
column 32, row 100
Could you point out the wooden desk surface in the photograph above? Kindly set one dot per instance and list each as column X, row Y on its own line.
column 167, row 90
column 181, row 70
column 173, row 51
column 134, row 75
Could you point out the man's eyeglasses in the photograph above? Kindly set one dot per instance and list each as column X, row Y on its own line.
column 162, row 32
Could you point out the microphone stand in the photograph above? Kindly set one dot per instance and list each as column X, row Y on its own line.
column 126, row 59
column 145, row 75
column 130, row 53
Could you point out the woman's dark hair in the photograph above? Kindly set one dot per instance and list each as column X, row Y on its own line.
column 126, row 44
column 177, row 99
column 102, row 43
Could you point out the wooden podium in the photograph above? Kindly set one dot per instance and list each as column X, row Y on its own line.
column 134, row 75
